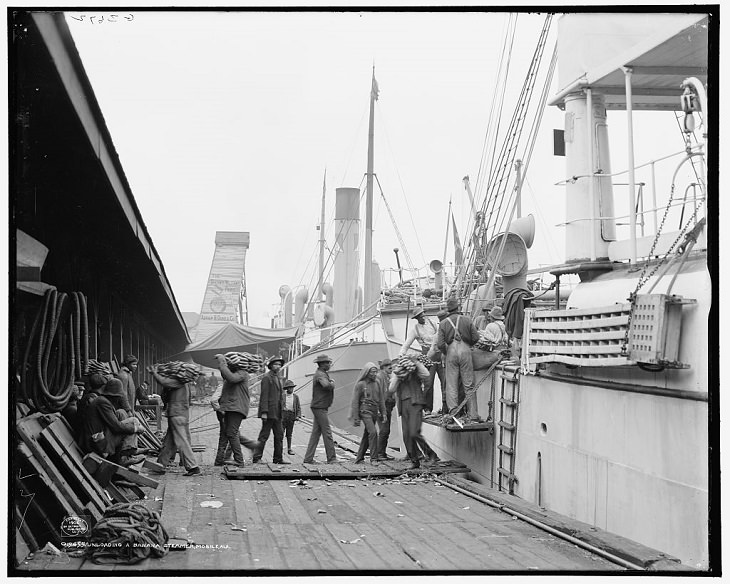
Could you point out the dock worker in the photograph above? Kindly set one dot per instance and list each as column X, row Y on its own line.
column 106, row 427
column 435, row 355
column 482, row 320
column 494, row 331
column 129, row 366
column 456, row 335
column 233, row 404
column 270, row 411
column 425, row 330
column 411, row 400
column 386, row 368
column 323, row 393
column 368, row 406
column 291, row 413
column 176, row 396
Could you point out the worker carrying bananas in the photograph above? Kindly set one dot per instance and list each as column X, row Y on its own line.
column 425, row 331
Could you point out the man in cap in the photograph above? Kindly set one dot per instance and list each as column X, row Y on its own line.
column 323, row 392
column 129, row 366
column 424, row 330
column 456, row 335
column 177, row 409
column 435, row 355
column 291, row 413
column 270, row 411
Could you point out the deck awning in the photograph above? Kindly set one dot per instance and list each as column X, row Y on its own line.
column 237, row 337
column 661, row 49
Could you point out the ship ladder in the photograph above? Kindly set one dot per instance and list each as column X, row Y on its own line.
column 507, row 434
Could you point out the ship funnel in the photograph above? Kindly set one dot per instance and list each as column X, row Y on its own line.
column 438, row 269
column 525, row 228
column 300, row 301
column 285, row 295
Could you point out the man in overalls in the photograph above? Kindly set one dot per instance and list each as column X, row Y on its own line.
column 456, row 335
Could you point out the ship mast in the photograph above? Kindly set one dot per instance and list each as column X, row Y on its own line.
column 320, row 282
column 367, row 283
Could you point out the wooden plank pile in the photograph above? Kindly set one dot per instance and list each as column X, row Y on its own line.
column 148, row 439
column 53, row 480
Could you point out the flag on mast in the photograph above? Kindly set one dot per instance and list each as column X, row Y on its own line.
column 458, row 251
column 375, row 89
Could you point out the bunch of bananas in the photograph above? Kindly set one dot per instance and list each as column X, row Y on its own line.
column 183, row 372
column 94, row 366
column 403, row 367
column 248, row 362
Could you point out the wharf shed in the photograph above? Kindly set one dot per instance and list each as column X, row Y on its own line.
column 69, row 193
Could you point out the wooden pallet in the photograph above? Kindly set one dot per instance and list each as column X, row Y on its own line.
column 343, row 470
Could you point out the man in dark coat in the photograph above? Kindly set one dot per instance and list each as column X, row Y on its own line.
column 233, row 404
column 323, row 394
column 125, row 376
column 270, row 411
column 411, row 401
column 292, row 412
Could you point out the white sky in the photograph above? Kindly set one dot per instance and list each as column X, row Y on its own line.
column 225, row 121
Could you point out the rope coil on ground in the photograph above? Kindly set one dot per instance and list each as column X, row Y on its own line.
column 127, row 534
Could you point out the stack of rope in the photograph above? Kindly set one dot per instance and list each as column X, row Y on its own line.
column 57, row 351
column 127, row 534
column 246, row 361
column 403, row 367
column 183, row 372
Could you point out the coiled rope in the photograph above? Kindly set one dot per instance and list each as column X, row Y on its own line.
column 57, row 351
column 127, row 534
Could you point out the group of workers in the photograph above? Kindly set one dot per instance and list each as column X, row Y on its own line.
column 107, row 424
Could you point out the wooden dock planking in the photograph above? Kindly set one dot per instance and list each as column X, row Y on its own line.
column 245, row 504
column 392, row 556
column 360, row 553
column 415, row 506
column 177, row 509
column 263, row 549
column 416, row 545
column 322, row 544
column 296, row 553
column 268, row 503
column 450, row 503
column 448, row 551
column 290, row 503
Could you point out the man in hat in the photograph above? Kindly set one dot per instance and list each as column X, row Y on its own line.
column 368, row 407
column 456, row 336
column 129, row 366
column 291, row 412
column 270, row 411
column 435, row 355
column 494, row 330
column 323, row 392
column 424, row 331
column 104, row 431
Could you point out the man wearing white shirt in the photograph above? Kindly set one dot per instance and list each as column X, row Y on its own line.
column 424, row 331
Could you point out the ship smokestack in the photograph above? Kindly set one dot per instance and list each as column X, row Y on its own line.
column 347, row 236
column 285, row 295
